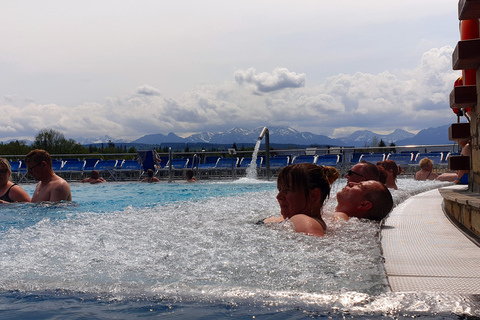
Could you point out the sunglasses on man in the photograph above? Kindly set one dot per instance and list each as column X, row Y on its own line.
column 351, row 173
column 31, row 168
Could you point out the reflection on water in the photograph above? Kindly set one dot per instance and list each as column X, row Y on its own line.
column 167, row 244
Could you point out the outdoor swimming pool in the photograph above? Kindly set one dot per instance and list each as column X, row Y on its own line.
column 178, row 250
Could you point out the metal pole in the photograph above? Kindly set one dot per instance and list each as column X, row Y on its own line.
column 267, row 153
column 170, row 167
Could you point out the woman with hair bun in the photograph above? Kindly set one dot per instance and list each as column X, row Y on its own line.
column 331, row 174
column 302, row 190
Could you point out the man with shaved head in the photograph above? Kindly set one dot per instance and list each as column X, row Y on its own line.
column 364, row 200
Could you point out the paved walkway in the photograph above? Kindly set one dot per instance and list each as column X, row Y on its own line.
column 425, row 252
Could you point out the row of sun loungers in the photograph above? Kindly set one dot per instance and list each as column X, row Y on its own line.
column 71, row 169
column 410, row 158
column 74, row 169
column 217, row 166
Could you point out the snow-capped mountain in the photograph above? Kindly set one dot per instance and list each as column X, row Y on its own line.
column 237, row 135
column 289, row 135
column 100, row 139
column 280, row 135
column 200, row 137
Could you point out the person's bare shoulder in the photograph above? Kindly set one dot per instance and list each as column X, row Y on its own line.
column 466, row 150
column 17, row 194
column 340, row 216
column 95, row 181
column 307, row 225
column 60, row 190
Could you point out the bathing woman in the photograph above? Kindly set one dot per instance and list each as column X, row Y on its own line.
column 9, row 191
column 302, row 189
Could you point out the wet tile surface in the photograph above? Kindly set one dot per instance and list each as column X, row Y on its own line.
column 425, row 252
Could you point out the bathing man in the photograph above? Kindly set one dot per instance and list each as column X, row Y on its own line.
column 50, row 186
column 363, row 171
column 94, row 178
column 367, row 200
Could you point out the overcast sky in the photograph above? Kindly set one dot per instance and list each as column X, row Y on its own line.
column 128, row 68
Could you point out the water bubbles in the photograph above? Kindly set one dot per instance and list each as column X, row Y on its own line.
column 198, row 241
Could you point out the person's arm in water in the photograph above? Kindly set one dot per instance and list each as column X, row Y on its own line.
column 275, row 219
column 302, row 223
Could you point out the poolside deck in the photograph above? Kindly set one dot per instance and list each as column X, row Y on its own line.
column 425, row 252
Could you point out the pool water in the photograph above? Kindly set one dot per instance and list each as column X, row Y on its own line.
column 194, row 250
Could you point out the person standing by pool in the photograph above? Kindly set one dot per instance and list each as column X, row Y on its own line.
column 367, row 199
column 363, row 171
column 425, row 173
column 9, row 191
column 302, row 190
column 50, row 186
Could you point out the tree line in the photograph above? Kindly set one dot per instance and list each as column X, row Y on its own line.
column 55, row 143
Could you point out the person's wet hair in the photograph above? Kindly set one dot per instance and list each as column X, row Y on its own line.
column 94, row 174
column 389, row 165
column 425, row 162
column 331, row 174
column 370, row 171
column 39, row 155
column 382, row 203
column 382, row 174
column 189, row 174
column 304, row 177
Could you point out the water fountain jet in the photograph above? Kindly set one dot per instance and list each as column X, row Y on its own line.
column 267, row 149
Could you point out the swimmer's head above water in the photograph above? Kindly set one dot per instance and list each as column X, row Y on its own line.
column 302, row 190
column 306, row 185
column 367, row 199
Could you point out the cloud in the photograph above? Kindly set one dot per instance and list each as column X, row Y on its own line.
column 409, row 99
column 147, row 91
column 264, row 82
column 9, row 98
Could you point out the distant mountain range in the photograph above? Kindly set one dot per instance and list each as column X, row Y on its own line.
column 287, row 135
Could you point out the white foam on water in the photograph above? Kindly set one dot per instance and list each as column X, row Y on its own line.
column 211, row 249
